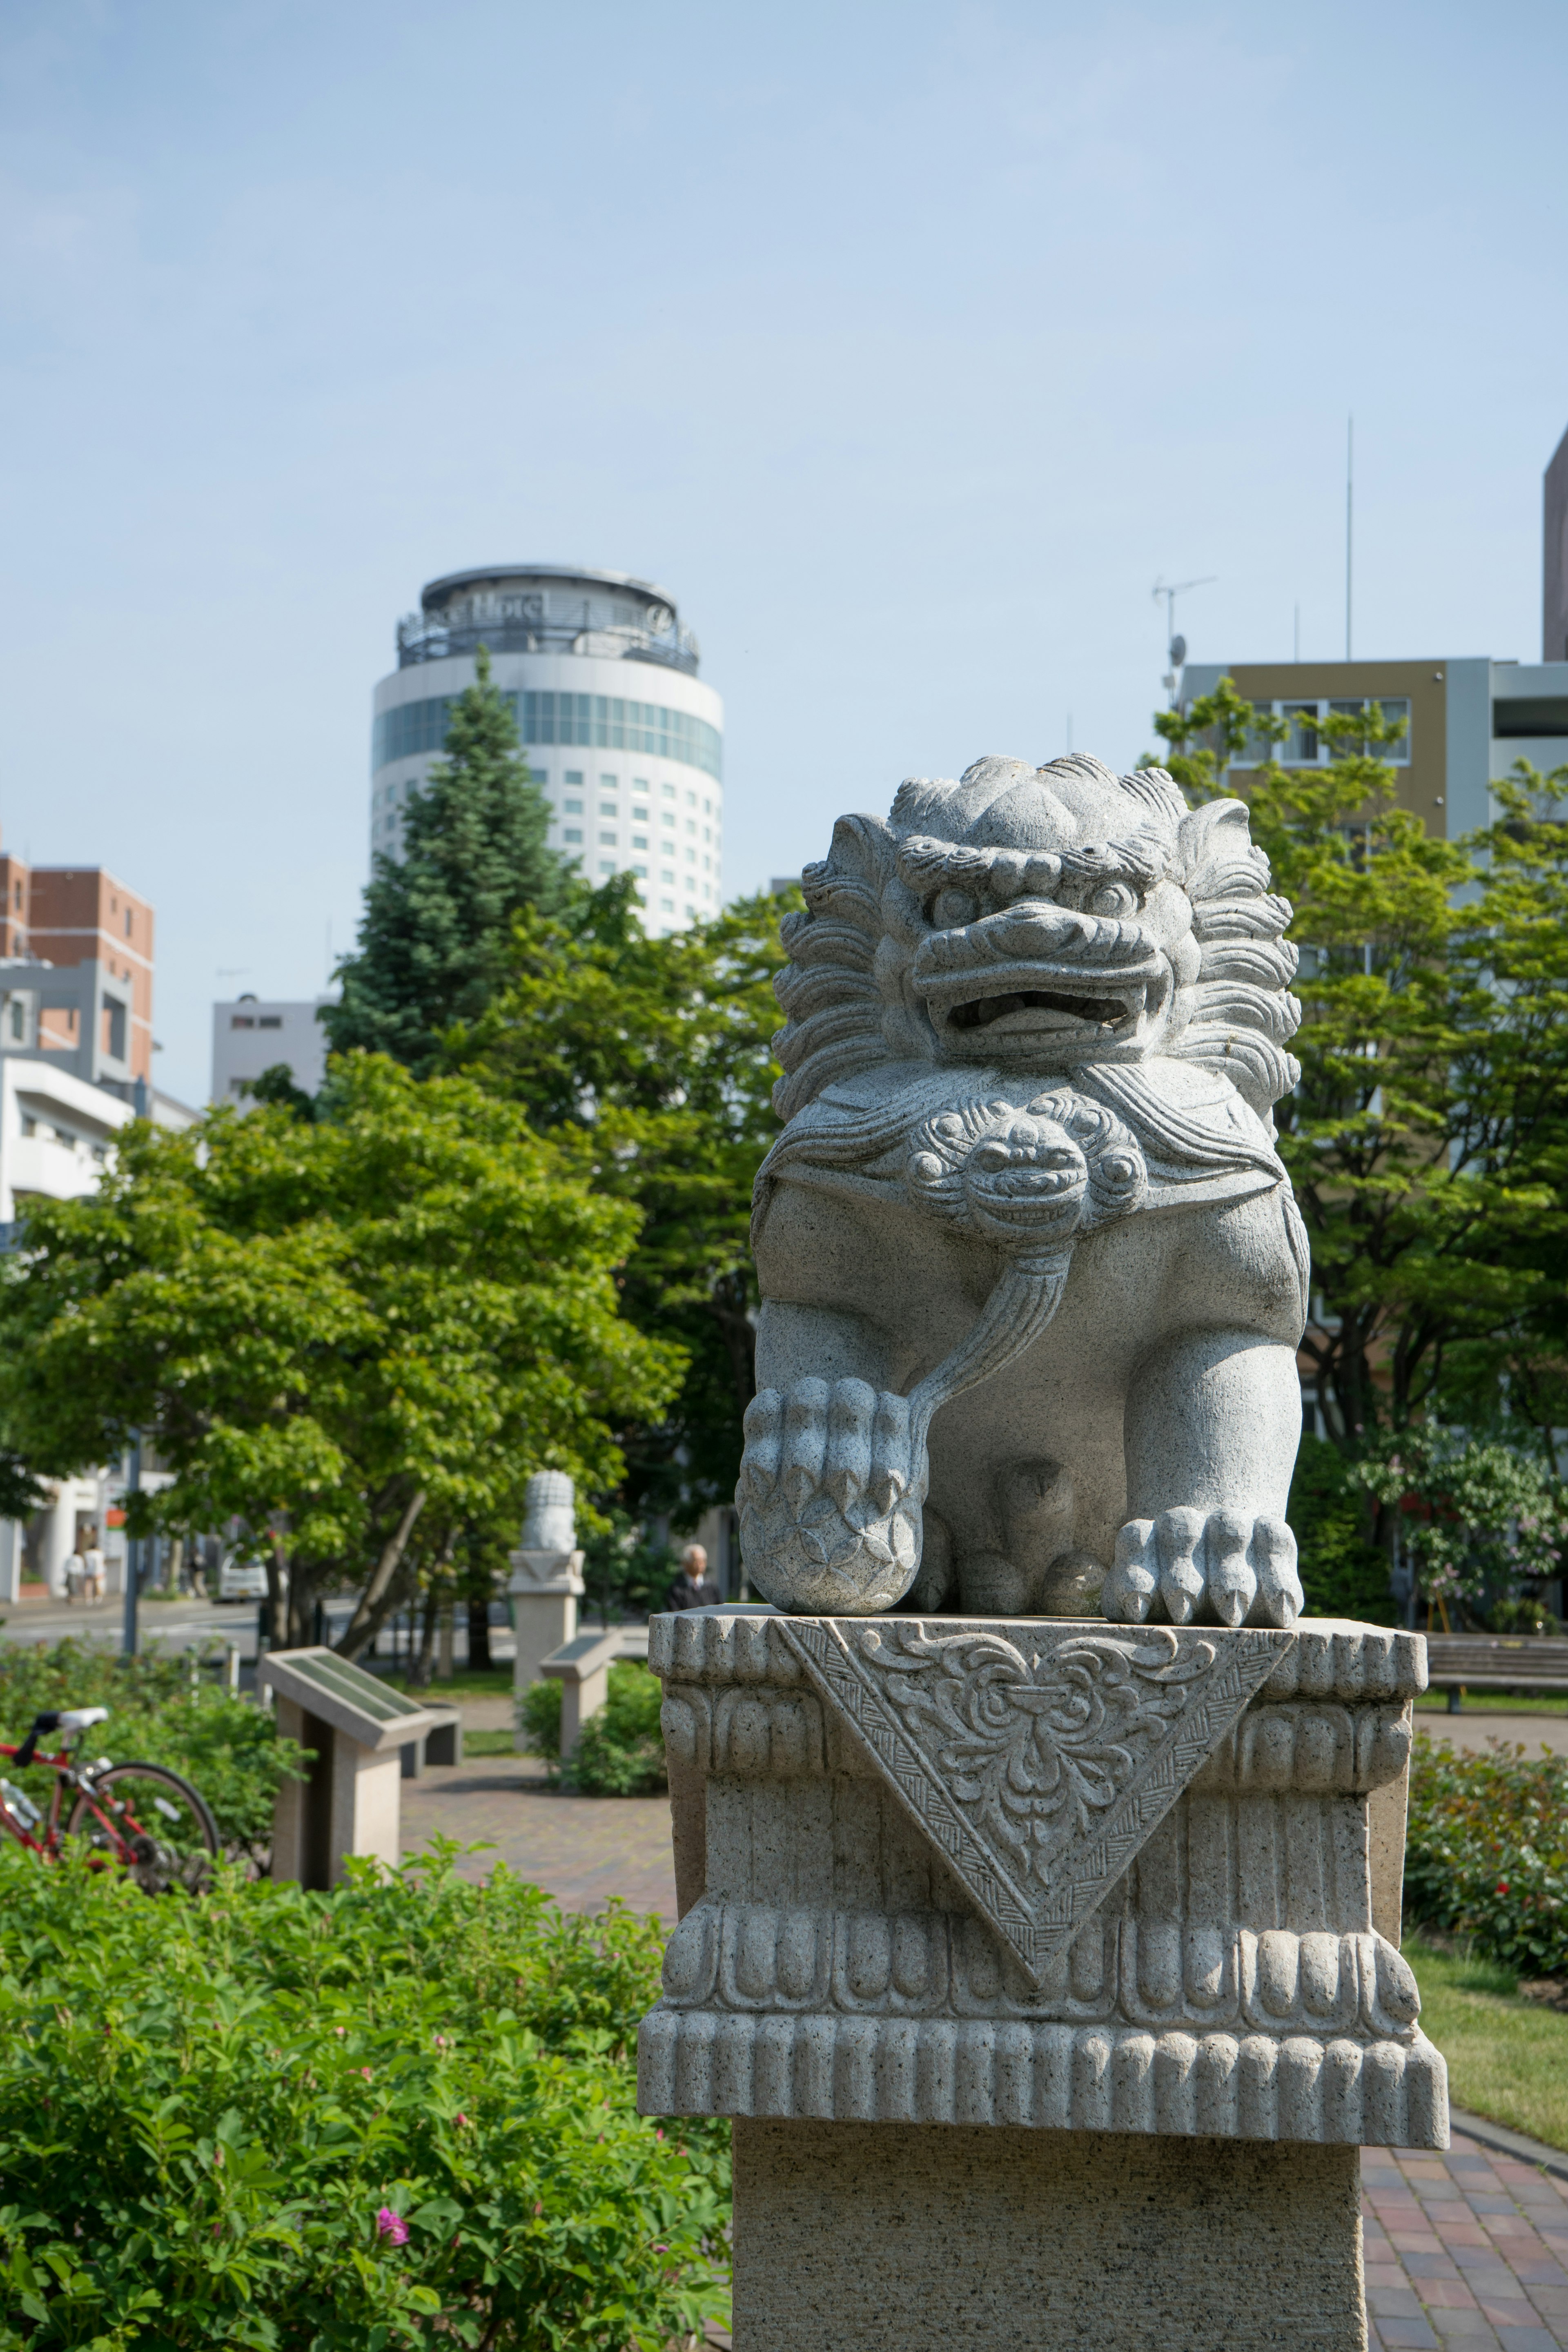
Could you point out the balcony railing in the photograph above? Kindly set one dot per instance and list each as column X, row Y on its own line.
column 426, row 639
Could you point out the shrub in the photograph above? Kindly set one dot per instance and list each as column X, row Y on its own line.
column 1488, row 1852
column 402, row 2114
column 621, row 1751
column 228, row 1747
column 539, row 1719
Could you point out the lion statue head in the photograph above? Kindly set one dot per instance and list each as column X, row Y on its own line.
column 1039, row 919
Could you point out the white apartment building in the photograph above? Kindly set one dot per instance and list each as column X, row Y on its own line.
column 252, row 1033
column 622, row 737
column 58, row 1134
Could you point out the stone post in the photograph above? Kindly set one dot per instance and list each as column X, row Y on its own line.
column 546, row 1581
column 1039, row 1964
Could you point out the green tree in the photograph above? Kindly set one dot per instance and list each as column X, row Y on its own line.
column 436, row 932
column 649, row 1064
column 359, row 1335
column 1427, row 1140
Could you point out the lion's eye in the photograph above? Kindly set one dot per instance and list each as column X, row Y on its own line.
column 1113, row 898
column 952, row 908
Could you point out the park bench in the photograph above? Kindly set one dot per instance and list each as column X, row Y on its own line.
column 440, row 1743
column 1460, row 1662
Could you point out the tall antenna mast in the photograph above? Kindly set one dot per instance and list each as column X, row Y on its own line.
column 1350, row 528
column 1176, row 647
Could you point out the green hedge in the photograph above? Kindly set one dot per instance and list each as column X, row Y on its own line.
column 402, row 2114
column 228, row 1747
column 1486, row 1853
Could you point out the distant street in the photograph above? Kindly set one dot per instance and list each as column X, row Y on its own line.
column 174, row 1624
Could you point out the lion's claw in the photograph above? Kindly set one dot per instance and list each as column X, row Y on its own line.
column 829, row 1498
column 1225, row 1567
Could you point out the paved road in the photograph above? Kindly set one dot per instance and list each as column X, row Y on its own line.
column 1473, row 1730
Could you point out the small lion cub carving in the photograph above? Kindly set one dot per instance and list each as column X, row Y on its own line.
column 1033, row 1277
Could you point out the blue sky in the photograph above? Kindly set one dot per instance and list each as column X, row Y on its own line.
column 906, row 344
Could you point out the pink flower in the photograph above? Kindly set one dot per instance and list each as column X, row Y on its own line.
column 365, row 2072
column 461, row 2118
column 392, row 2225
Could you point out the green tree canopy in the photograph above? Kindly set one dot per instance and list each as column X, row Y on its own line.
column 1427, row 1139
column 649, row 1064
column 358, row 1335
column 436, row 932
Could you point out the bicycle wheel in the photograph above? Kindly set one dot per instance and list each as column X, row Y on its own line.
column 152, row 1822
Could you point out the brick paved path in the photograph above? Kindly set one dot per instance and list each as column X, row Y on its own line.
column 1469, row 2249
column 581, row 1850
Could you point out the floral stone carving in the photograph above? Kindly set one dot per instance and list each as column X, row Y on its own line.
column 1038, row 1765
column 1062, row 1875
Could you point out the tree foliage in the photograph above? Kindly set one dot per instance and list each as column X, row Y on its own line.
column 1427, row 1140
column 434, row 936
column 648, row 1063
column 358, row 1335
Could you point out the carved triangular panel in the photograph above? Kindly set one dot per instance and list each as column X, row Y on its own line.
column 1038, row 1757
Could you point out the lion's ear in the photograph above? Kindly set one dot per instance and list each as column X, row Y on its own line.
column 1218, row 858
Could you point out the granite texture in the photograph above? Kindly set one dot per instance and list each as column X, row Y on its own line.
column 1033, row 1277
column 879, row 2238
column 1071, row 1876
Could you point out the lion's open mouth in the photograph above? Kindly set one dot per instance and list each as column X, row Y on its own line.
column 985, row 1012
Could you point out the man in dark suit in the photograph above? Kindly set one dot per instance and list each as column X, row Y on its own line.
column 691, row 1589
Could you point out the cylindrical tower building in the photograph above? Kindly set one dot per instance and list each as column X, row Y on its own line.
column 624, row 740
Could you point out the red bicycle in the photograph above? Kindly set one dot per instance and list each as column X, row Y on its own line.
column 142, row 1818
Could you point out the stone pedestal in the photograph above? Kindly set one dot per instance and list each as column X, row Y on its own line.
column 355, row 1729
column 544, row 1589
column 885, row 2237
column 582, row 1670
column 1039, row 1962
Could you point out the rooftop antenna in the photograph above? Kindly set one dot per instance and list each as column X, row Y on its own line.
column 1349, row 523
column 1176, row 647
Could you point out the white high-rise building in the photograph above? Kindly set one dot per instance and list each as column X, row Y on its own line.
column 621, row 735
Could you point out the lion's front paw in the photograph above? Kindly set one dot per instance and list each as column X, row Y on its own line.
column 831, row 1491
column 1222, row 1564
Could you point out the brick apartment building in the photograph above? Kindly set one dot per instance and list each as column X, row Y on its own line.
column 95, row 1005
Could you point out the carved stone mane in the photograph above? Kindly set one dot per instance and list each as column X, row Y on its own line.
column 850, row 994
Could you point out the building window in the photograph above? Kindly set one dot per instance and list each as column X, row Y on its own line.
column 18, row 1019
column 666, row 876
column 270, row 1021
column 609, row 783
column 128, row 922
column 668, row 791
column 666, row 906
column 573, row 808
column 606, row 864
column 641, row 873
column 692, row 857
column 242, row 1020
column 573, row 833
column 1305, row 745
column 639, row 841
column 639, row 816
column 609, row 808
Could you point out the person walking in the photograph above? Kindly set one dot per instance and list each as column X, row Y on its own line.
column 691, row 1589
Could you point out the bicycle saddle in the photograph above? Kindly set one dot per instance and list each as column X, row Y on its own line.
column 70, row 1718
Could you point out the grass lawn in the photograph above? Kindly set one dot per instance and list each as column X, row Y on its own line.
column 487, row 1743
column 495, row 1683
column 1493, row 1702
column 1508, row 2058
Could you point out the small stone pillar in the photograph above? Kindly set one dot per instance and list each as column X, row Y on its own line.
column 357, row 1727
column 546, row 1581
column 1037, row 1962
column 582, row 1667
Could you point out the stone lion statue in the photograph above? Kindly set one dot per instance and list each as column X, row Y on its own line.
column 1033, row 1277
